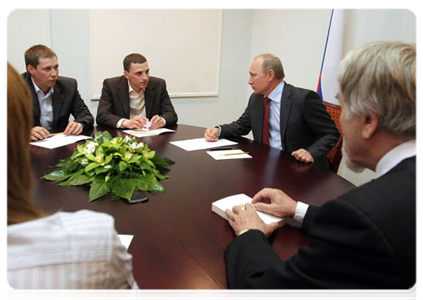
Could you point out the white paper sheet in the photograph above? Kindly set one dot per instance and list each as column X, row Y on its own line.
column 221, row 205
column 144, row 133
column 59, row 141
column 125, row 239
column 228, row 154
column 201, row 143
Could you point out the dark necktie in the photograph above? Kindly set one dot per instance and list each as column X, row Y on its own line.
column 266, row 122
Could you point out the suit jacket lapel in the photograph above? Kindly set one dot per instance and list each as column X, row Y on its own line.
column 123, row 95
column 35, row 101
column 36, row 107
column 150, row 93
column 286, row 103
column 57, row 102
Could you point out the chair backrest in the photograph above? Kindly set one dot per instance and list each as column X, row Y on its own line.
column 335, row 155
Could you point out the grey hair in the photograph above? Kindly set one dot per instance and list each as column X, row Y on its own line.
column 381, row 77
column 272, row 62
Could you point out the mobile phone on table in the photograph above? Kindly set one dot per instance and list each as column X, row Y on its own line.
column 137, row 197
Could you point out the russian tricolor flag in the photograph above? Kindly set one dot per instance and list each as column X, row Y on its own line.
column 328, row 86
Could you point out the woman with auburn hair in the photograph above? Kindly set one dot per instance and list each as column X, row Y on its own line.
column 19, row 178
column 84, row 250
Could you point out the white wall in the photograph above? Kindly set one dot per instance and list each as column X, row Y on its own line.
column 296, row 36
column 369, row 25
column 186, row 41
column 235, row 61
column 70, row 40
column 20, row 36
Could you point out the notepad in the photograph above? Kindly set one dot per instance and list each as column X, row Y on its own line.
column 59, row 141
column 221, row 205
column 145, row 133
column 228, row 154
column 201, row 143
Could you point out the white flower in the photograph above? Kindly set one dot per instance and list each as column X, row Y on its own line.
column 84, row 162
column 90, row 147
column 134, row 146
column 127, row 139
column 107, row 166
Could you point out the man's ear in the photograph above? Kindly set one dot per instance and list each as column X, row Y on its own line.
column 30, row 69
column 271, row 74
column 371, row 122
column 125, row 73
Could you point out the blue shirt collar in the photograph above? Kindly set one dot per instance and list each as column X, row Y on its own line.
column 276, row 94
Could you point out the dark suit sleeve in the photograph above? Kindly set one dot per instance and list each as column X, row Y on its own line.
column 80, row 111
column 69, row 101
column 167, row 110
column 309, row 218
column 240, row 127
column 105, row 113
column 319, row 120
column 346, row 250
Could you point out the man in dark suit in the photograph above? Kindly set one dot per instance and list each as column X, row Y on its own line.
column 365, row 238
column 297, row 122
column 135, row 100
column 54, row 97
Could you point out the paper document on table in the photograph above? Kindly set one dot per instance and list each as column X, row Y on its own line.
column 143, row 133
column 125, row 239
column 228, row 154
column 201, row 143
column 59, row 140
column 221, row 205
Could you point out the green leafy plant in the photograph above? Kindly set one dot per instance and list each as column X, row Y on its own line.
column 117, row 165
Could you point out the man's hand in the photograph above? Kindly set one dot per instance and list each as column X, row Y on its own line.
column 303, row 156
column 157, row 122
column 211, row 134
column 137, row 122
column 241, row 219
column 281, row 205
column 39, row 133
column 73, row 128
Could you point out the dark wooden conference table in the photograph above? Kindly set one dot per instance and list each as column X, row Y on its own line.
column 178, row 241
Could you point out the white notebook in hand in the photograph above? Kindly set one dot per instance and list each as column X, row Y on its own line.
column 221, row 205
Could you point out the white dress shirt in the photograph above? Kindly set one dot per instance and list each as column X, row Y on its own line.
column 79, row 250
column 136, row 105
column 46, row 106
column 383, row 166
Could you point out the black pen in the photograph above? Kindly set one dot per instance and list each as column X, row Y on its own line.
column 221, row 148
